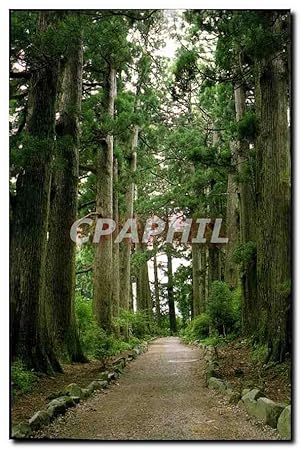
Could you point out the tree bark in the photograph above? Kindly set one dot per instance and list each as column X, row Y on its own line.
column 199, row 278
column 214, row 266
column 104, row 208
column 125, row 245
column 156, row 290
column 60, row 273
column 172, row 315
column 274, row 197
column 143, row 291
column 231, row 274
column 247, row 203
column 116, row 249
column 30, row 338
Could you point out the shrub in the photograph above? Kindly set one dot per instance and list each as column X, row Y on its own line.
column 200, row 326
column 220, row 307
column 96, row 343
column 137, row 323
column 197, row 329
column 22, row 379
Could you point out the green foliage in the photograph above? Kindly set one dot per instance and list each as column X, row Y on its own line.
column 220, row 308
column 236, row 309
column 245, row 253
column 109, row 345
column 247, row 127
column 218, row 340
column 198, row 328
column 95, row 341
column 137, row 323
column 284, row 289
column 22, row 378
column 182, row 282
column 260, row 353
column 84, row 279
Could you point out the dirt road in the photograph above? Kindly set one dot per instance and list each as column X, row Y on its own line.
column 160, row 396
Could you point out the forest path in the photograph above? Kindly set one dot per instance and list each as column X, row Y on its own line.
column 161, row 395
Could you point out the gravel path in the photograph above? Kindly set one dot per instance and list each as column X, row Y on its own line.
column 160, row 396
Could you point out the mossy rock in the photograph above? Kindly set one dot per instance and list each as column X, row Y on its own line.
column 21, row 430
column 233, row 396
column 73, row 390
column 59, row 406
column 97, row 385
column 268, row 411
column 86, row 393
column 217, row 384
column 103, row 376
column 284, row 423
column 112, row 376
column 39, row 419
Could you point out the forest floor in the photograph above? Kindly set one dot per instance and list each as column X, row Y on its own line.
column 25, row 405
column 160, row 396
column 242, row 371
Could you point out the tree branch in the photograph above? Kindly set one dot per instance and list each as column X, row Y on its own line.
column 85, row 270
column 89, row 203
column 91, row 168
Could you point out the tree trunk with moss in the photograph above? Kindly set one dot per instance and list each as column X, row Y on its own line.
column 170, row 290
column 248, row 211
column 274, row 201
column 116, row 249
column 156, row 290
column 60, row 272
column 231, row 274
column 103, row 266
column 30, row 337
column 126, row 244
column 199, row 277
column 143, row 291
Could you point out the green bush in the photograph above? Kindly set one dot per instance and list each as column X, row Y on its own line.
column 96, row 343
column 137, row 323
column 22, row 379
column 197, row 329
column 200, row 326
column 220, row 308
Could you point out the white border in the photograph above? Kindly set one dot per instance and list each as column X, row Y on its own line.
column 154, row 4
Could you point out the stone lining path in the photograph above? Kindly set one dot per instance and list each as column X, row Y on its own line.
column 160, row 396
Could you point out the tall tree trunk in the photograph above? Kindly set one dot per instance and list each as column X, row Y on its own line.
column 172, row 315
column 231, row 274
column 116, row 249
column 30, row 339
column 143, row 291
column 60, row 274
column 156, row 290
column 131, row 308
column 248, row 229
column 274, row 196
column 104, row 207
column 125, row 245
column 214, row 265
column 199, row 277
